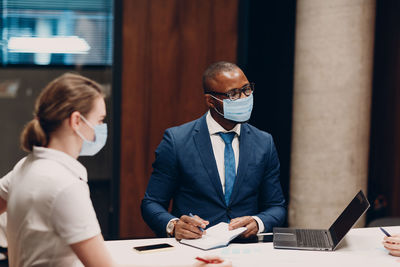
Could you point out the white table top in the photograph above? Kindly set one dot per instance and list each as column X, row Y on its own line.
column 360, row 247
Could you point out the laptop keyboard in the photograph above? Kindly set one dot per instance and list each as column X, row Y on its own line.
column 312, row 238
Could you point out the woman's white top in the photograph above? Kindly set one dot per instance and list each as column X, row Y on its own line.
column 48, row 208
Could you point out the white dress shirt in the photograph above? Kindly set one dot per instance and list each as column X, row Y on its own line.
column 218, row 146
column 48, row 209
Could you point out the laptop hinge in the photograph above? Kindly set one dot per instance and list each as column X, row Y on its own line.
column 328, row 234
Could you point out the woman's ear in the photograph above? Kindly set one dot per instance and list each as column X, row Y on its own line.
column 75, row 120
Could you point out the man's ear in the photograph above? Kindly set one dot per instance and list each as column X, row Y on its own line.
column 75, row 120
column 209, row 101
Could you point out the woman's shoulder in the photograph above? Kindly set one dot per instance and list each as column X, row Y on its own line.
column 45, row 176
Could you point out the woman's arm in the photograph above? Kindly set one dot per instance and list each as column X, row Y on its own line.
column 93, row 252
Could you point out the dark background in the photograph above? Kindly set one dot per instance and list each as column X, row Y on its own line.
column 266, row 54
column 384, row 164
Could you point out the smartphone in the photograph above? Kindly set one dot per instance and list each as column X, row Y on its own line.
column 259, row 238
column 265, row 238
column 153, row 247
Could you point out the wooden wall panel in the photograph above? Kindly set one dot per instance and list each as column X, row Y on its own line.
column 166, row 46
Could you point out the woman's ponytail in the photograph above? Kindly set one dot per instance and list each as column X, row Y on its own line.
column 33, row 135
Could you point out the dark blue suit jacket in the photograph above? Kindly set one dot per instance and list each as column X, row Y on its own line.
column 186, row 172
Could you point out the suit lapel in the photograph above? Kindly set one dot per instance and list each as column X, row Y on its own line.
column 204, row 147
column 244, row 159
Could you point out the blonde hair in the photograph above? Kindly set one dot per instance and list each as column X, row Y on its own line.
column 58, row 100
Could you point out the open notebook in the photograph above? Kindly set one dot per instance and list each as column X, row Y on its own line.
column 215, row 237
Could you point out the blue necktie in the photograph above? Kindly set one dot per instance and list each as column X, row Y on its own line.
column 229, row 162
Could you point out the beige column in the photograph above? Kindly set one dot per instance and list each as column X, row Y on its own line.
column 332, row 105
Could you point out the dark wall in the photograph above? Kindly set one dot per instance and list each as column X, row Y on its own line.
column 266, row 54
column 384, row 173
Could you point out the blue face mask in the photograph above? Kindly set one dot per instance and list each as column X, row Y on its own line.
column 237, row 110
column 90, row 148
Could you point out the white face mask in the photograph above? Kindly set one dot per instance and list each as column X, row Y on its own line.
column 90, row 148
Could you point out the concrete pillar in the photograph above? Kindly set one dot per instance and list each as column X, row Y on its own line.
column 331, row 112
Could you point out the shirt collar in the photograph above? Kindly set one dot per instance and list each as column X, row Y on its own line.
column 64, row 159
column 215, row 128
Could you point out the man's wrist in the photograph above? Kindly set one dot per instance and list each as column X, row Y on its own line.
column 259, row 223
column 170, row 229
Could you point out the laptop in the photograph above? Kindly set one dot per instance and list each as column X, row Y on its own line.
column 317, row 239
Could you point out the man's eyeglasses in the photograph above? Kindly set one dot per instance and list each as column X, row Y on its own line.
column 235, row 93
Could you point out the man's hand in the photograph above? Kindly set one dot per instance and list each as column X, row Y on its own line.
column 246, row 221
column 188, row 227
column 392, row 244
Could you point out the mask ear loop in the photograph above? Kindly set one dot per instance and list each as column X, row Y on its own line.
column 86, row 121
column 90, row 125
column 216, row 110
column 81, row 136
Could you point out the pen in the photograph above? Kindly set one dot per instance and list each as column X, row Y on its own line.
column 384, row 231
column 201, row 229
column 207, row 261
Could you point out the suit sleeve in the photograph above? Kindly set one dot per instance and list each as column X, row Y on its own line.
column 161, row 187
column 271, row 200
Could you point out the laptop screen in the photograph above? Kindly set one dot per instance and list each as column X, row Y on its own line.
column 349, row 217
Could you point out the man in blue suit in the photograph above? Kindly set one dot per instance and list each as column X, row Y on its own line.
column 218, row 167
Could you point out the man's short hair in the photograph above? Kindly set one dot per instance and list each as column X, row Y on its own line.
column 214, row 69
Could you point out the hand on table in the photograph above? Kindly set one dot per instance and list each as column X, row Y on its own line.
column 246, row 221
column 216, row 262
column 392, row 243
column 188, row 227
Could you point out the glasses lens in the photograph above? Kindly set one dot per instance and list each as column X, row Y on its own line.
column 247, row 90
column 234, row 94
